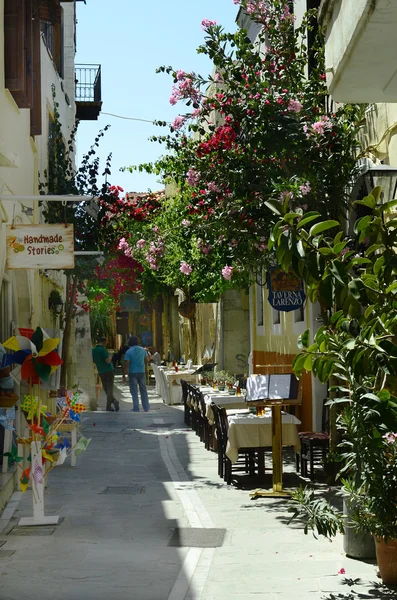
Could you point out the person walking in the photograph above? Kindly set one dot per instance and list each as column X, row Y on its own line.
column 103, row 362
column 135, row 360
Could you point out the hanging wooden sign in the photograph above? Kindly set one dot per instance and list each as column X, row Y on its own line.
column 286, row 291
column 40, row 246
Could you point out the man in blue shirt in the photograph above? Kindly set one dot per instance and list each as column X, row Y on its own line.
column 135, row 360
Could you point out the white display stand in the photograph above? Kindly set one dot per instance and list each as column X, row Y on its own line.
column 38, row 484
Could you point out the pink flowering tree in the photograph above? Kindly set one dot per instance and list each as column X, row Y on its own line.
column 259, row 130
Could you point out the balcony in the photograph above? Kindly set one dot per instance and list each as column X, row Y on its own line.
column 360, row 56
column 88, row 92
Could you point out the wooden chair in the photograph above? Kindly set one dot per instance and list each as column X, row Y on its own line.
column 253, row 457
column 314, row 446
column 186, row 407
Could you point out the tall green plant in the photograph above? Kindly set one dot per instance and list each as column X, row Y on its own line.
column 354, row 279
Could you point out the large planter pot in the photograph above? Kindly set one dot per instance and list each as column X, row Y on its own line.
column 357, row 545
column 386, row 556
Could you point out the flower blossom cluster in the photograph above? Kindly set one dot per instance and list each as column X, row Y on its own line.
column 205, row 248
column 178, row 122
column 193, row 177
column 185, row 268
column 206, row 23
column 125, row 247
column 227, row 272
column 155, row 252
column 305, row 188
column 223, row 138
column 390, row 437
column 294, row 106
column 319, row 127
column 185, row 89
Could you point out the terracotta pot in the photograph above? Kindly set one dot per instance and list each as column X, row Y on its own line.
column 386, row 556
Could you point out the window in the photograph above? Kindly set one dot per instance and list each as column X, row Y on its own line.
column 299, row 315
column 276, row 317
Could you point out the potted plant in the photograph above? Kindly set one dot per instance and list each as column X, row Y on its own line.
column 223, row 378
column 55, row 302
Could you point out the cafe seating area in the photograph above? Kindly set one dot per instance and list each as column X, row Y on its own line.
column 247, row 429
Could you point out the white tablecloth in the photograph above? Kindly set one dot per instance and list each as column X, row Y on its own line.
column 223, row 399
column 168, row 383
column 252, row 431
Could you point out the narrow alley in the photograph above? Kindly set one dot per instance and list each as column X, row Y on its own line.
column 144, row 516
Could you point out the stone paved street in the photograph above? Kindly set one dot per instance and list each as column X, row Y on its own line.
column 115, row 543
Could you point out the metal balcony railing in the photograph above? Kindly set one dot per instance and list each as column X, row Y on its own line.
column 88, row 83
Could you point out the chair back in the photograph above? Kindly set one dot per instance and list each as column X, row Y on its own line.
column 221, row 430
column 184, row 390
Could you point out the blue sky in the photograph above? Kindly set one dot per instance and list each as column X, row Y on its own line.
column 130, row 39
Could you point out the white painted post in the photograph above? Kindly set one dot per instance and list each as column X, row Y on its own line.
column 37, row 482
column 74, row 442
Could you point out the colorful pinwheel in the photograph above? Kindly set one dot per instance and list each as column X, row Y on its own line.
column 30, row 405
column 37, row 355
column 75, row 405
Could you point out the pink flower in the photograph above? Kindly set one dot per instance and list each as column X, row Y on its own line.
column 178, row 122
column 206, row 23
column 185, row 223
column 294, row 106
column 305, row 188
column 341, row 571
column 390, row 437
column 192, row 177
column 173, row 99
column 185, row 268
column 141, row 243
column 227, row 272
column 212, row 187
column 180, row 75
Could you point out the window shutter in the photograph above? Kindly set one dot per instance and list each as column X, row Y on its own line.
column 50, row 11
column 14, row 45
column 35, row 109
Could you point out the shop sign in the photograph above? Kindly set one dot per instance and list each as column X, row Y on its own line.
column 40, row 246
column 286, row 290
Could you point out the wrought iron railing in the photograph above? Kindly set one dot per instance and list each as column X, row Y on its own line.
column 88, row 83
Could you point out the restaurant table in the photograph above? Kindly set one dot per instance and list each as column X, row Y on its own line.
column 170, row 383
column 224, row 399
column 258, row 431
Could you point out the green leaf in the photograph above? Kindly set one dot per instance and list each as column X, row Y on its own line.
column 275, row 206
column 308, row 218
column 367, row 201
column 303, row 340
column 323, row 226
column 363, row 223
column 387, row 206
column 335, row 317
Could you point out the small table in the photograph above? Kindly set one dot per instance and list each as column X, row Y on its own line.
column 277, row 450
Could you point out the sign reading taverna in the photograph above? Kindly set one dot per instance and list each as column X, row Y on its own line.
column 40, row 246
column 286, row 291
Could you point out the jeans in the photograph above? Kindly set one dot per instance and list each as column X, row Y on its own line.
column 107, row 384
column 139, row 379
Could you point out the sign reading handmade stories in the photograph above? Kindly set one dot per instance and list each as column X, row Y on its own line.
column 40, row 246
column 286, row 291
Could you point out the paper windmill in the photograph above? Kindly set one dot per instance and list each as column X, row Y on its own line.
column 37, row 355
column 75, row 405
column 30, row 405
